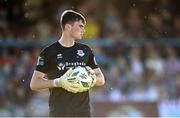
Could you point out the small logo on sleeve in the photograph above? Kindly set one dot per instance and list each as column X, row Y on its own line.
column 40, row 61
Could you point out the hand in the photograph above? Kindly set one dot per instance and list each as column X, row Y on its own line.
column 93, row 75
column 67, row 82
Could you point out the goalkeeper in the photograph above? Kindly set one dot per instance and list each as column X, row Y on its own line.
column 55, row 65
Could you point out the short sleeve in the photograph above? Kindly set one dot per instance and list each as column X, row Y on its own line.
column 42, row 62
column 92, row 61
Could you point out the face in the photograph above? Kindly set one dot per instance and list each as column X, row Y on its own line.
column 77, row 30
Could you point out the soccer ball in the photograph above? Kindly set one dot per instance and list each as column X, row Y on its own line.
column 84, row 78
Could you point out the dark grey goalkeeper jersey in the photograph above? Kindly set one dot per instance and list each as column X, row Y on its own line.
column 55, row 60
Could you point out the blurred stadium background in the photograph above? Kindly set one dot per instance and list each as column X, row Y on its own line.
column 135, row 42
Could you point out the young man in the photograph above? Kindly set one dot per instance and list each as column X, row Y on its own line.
column 55, row 63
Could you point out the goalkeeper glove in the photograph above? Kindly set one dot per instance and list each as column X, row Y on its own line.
column 93, row 75
column 67, row 82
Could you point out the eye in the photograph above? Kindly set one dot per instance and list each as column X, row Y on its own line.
column 81, row 26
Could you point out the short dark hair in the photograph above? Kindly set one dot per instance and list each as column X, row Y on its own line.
column 69, row 16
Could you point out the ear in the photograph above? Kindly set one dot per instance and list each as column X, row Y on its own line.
column 67, row 27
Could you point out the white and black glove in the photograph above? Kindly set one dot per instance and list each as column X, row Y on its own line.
column 93, row 75
column 67, row 82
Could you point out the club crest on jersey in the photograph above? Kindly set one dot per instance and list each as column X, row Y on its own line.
column 80, row 53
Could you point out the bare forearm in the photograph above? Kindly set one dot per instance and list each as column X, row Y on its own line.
column 40, row 83
column 100, row 80
column 99, row 77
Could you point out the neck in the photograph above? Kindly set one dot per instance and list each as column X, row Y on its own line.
column 66, row 40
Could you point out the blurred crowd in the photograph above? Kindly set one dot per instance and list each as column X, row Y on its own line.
column 136, row 43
